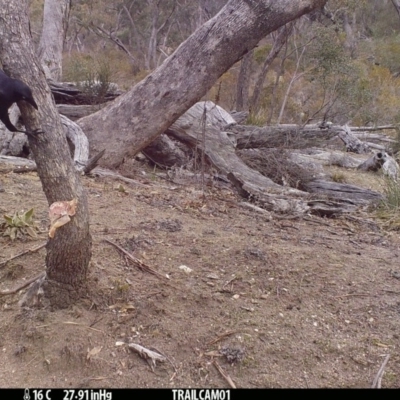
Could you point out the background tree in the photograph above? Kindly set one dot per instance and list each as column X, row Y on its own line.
column 186, row 76
column 50, row 50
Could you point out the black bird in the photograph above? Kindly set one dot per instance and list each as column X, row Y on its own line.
column 12, row 91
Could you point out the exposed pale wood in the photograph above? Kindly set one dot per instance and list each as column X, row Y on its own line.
column 353, row 144
column 81, row 145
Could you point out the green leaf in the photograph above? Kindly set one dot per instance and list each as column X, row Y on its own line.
column 31, row 232
column 8, row 219
column 28, row 215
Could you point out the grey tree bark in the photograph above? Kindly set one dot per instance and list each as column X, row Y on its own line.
column 55, row 23
column 149, row 108
column 242, row 87
column 69, row 252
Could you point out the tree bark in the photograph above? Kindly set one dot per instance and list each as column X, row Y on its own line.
column 55, row 23
column 148, row 109
column 242, row 88
column 68, row 254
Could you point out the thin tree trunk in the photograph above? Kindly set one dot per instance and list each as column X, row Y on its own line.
column 55, row 23
column 280, row 40
column 274, row 96
column 136, row 118
column 242, row 88
column 294, row 78
column 68, row 254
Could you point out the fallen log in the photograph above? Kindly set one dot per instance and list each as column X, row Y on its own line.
column 299, row 137
column 282, row 168
column 288, row 136
column 83, row 92
column 353, row 144
column 343, row 191
column 220, row 152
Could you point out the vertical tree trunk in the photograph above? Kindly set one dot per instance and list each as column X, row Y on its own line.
column 136, row 118
column 68, row 254
column 55, row 23
column 279, row 41
column 242, row 87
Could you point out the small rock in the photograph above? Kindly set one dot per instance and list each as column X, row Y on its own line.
column 185, row 269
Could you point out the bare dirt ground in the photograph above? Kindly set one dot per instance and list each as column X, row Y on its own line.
column 276, row 302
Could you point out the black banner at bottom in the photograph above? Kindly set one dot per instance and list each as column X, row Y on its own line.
column 116, row 394
column 168, row 394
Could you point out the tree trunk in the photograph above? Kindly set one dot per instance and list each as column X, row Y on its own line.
column 242, row 88
column 68, row 254
column 55, row 22
column 280, row 40
column 136, row 118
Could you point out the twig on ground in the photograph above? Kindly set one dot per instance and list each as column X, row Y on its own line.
column 70, row 323
column 142, row 266
column 3, row 263
column 376, row 384
column 356, row 294
column 18, row 288
column 173, row 365
column 225, row 376
column 220, row 337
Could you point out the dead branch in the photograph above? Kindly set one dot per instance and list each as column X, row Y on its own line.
column 376, row 384
column 220, row 337
column 224, row 375
column 142, row 266
column 147, row 354
column 23, row 286
column 352, row 143
column 3, row 263
column 92, row 163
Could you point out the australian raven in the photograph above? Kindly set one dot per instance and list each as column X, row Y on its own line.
column 12, row 91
